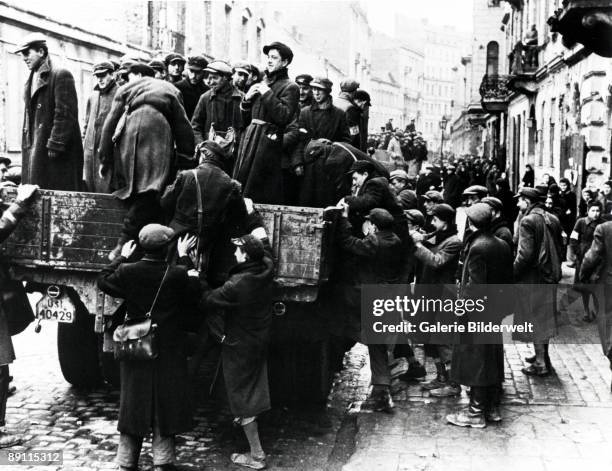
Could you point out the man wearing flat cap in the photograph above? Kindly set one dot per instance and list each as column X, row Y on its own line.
column 488, row 261
column 271, row 106
column 537, row 261
column 241, row 71
column 500, row 228
column 353, row 112
column 160, row 69
column 303, row 81
column 363, row 101
column 193, row 87
column 98, row 106
column 453, row 187
column 51, row 145
column 321, row 120
column 175, row 63
column 217, row 115
column 145, row 135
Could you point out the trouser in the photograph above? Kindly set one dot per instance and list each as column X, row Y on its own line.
column 379, row 365
column 484, row 398
column 142, row 209
column 4, row 387
column 129, row 448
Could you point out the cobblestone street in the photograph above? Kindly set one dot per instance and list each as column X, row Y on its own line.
column 553, row 423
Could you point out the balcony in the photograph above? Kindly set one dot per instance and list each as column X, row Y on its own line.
column 586, row 22
column 524, row 63
column 495, row 92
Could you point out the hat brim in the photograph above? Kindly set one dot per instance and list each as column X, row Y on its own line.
column 243, row 70
column 20, row 49
column 180, row 61
column 102, row 72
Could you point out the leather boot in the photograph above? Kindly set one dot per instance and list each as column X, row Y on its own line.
column 493, row 412
column 474, row 415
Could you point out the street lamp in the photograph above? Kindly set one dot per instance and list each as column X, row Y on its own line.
column 443, row 122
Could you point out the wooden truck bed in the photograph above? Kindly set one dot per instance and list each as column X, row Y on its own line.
column 65, row 238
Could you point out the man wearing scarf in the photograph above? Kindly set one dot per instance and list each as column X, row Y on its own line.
column 272, row 105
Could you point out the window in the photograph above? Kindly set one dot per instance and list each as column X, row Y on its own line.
column 245, row 38
column 492, row 58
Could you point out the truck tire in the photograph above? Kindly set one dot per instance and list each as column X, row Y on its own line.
column 77, row 347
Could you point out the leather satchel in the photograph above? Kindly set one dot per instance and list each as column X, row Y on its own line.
column 16, row 306
column 137, row 340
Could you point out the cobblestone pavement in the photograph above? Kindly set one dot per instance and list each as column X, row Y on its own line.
column 556, row 423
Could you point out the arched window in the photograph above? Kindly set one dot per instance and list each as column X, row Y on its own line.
column 492, row 58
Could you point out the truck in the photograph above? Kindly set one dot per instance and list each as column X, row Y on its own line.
column 64, row 239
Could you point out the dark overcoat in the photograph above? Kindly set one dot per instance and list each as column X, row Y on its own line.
column 453, row 188
column 259, row 164
column 501, row 229
column 8, row 221
column 145, row 125
column 221, row 108
column 599, row 257
column 315, row 122
column 246, row 298
column 488, row 260
column 581, row 239
column 51, row 123
column 191, row 94
column 353, row 119
column 157, row 388
column 537, row 305
column 98, row 106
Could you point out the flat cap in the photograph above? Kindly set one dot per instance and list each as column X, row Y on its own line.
column 174, row 57
column 103, row 68
column 32, row 39
column 398, row 173
column 284, row 50
column 5, row 160
column 219, row 67
column 154, row 236
column 479, row 213
column 477, row 190
column 530, row 193
column 362, row 166
column 495, row 203
column 380, row 217
column 142, row 69
column 349, row 85
column 415, row 216
column 197, row 62
column 241, row 66
column 303, row 79
column 251, row 245
column 323, row 83
column 157, row 65
column 115, row 63
column 444, row 212
column 361, row 94
column 433, row 195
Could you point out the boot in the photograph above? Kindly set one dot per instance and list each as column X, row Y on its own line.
column 493, row 412
column 473, row 416
column 415, row 371
column 8, row 440
column 382, row 401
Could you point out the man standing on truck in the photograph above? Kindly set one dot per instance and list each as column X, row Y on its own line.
column 51, row 147
column 8, row 222
column 144, row 131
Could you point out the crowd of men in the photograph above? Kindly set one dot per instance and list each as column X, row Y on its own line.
column 193, row 148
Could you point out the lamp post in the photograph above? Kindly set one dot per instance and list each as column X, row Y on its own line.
column 442, row 124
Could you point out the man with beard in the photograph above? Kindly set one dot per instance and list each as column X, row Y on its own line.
column 272, row 105
column 98, row 106
column 175, row 63
column 143, row 131
column 51, row 146
column 192, row 87
column 218, row 110
column 241, row 72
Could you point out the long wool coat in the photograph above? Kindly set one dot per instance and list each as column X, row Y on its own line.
column 51, row 123
column 145, row 124
column 488, row 261
column 246, row 298
column 98, row 107
column 259, row 164
column 157, row 387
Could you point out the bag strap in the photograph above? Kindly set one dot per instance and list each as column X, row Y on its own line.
column 346, row 149
column 158, row 290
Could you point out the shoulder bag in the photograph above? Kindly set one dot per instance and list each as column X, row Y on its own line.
column 138, row 341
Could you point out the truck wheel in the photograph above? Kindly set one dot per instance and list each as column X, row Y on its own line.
column 77, row 347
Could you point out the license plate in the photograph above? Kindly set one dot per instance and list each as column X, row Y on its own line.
column 59, row 309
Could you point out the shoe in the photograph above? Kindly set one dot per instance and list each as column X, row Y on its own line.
column 436, row 383
column 382, row 402
column 493, row 415
column 536, row 370
column 415, row 371
column 448, row 390
column 248, row 460
column 399, row 367
column 465, row 418
column 532, row 360
column 8, row 440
